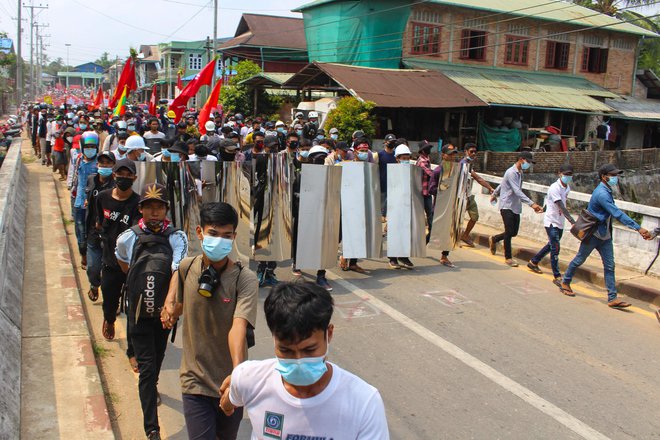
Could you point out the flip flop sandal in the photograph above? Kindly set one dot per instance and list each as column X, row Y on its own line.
column 448, row 264
column 134, row 364
column 92, row 294
column 567, row 292
column 619, row 304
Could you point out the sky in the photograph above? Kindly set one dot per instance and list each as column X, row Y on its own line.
column 96, row 26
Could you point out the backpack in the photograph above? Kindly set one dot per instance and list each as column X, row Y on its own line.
column 148, row 278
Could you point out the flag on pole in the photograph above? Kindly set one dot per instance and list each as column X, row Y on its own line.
column 98, row 102
column 152, row 102
column 211, row 103
column 179, row 82
column 127, row 79
column 121, row 104
column 203, row 78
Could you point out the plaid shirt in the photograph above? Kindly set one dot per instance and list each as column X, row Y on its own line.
column 425, row 164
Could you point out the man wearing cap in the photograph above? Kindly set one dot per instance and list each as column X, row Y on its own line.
column 385, row 156
column 135, row 147
column 601, row 205
column 339, row 154
column 148, row 335
column 116, row 210
column 96, row 183
column 210, row 127
column 472, row 208
column 229, row 151
column 334, row 134
column 86, row 165
column 553, row 221
column 511, row 199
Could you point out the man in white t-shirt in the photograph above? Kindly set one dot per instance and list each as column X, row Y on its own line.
column 553, row 220
column 300, row 394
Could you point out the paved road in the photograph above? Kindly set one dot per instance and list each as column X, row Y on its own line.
column 479, row 352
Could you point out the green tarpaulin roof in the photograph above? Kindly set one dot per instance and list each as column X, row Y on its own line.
column 523, row 88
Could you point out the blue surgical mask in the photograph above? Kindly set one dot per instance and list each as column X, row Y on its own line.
column 280, row 129
column 216, row 248
column 304, row 153
column 566, row 179
column 142, row 157
column 83, row 126
column 105, row 172
column 363, row 156
column 613, row 181
column 526, row 165
column 299, row 133
column 121, row 148
column 89, row 153
column 166, row 153
column 302, row 372
column 175, row 157
column 319, row 137
column 334, row 136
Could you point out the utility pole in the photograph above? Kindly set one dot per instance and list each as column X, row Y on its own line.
column 42, row 60
column 19, row 58
column 215, row 38
column 39, row 52
column 68, row 45
column 32, row 17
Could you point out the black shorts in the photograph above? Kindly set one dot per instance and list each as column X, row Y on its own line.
column 49, row 147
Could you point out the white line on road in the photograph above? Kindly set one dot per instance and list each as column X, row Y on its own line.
column 510, row 385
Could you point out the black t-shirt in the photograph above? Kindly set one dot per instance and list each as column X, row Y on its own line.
column 115, row 217
column 92, row 190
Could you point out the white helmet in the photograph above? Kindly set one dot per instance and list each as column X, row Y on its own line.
column 135, row 142
column 279, row 124
column 210, row 126
column 313, row 115
column 401, row 149
column 122, row 125
column 318, row 149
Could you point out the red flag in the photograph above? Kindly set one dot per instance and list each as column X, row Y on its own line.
column 179, row 83
column 98, row 102
column 91, row 96
column 127, row 79
column 211, row 103
column 203, row 78
column 152, row 102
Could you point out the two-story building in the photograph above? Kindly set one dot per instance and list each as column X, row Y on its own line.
column 535, row 63
column 147, row 65
column 84, row 75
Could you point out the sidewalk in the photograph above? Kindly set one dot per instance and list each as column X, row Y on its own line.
column 630, row 283
column 62, row 396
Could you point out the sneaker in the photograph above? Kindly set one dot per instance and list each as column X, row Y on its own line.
column 154, row 435
column 323, row 282
column 296, row 272
column 271, row 279
column 405, row 262
column 394, row 264
column 492, row 245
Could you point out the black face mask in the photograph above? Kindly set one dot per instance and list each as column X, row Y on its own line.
column 124, row 183
column 294, row 144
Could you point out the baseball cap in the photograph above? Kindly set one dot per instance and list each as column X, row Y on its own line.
column 566, row 168
column 125, row 163
column 108, row 155
column 334, row 131
column 227, row 144
column 449, row 149
column 269, row 141
column 358, row 134
column 527, row 155
column 390, row 137
column 179, row 147
column 609, row 168
column 153, row 191
column 343, row 146
column 401, row 149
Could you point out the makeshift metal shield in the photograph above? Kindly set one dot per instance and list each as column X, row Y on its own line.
column 406, row 221
column 450, row 205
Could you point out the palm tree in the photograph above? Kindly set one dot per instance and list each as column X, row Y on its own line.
column 612, row 7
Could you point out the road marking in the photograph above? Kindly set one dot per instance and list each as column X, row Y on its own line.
column 558, row 414
column 449, row 298
column 581, row 288
column 356, row 309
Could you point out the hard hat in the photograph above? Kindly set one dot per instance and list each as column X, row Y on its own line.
column 210, row 126
column 401, row 149
column 313, row 115
column 299, row 115
column 318, row 150
column 171, row 114
column 135, row 142
column 279, row 124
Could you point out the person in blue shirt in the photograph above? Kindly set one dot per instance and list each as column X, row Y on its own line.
column 603, row 208
column 85, row 167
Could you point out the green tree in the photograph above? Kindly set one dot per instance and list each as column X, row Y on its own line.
column 351, row 115
column 612, row 7
column 240, row 98
column 104, row 60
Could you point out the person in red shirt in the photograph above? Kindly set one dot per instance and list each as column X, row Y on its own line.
column 59, row 153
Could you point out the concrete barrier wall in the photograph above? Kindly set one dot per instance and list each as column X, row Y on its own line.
column 630, row 249
column 13, row 207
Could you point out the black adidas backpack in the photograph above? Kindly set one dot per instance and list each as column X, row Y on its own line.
column 148, row 278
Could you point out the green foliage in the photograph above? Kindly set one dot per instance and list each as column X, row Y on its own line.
column 104, row 60
column 351, row 115
column 612, row 7
column 240, row 98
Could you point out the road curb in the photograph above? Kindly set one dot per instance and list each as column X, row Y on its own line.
column 627, row 287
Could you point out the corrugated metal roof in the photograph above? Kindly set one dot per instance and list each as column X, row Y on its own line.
column 519, row 87
column 390, row 88
column 538, row 9
column 269, row 31
column 268, row 79
column 636, row 108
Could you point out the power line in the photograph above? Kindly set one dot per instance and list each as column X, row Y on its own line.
column 110, row 17
column 189, row 20
column 226, row 9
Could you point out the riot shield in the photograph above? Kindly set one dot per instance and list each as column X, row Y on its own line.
column 450, row 205
column 406, row 235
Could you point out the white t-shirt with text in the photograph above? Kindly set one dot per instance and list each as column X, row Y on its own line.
column 347, row 409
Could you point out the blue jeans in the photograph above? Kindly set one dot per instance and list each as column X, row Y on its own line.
column 206, row 421
column 94, row 264
column 552, row 248
column 81, row 233
column 606, row 251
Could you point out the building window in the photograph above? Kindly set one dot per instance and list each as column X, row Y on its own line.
column 594, row 60
column 426, row 39
column 426, row 16
column 556, row 56
column 195, row 61
column 622, row 44
column 473, row 45
column 516, row 50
